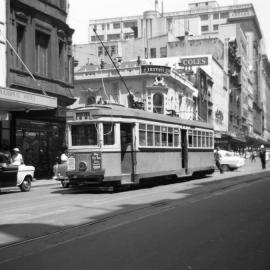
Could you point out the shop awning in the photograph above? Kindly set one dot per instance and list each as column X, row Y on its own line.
column 18, row 100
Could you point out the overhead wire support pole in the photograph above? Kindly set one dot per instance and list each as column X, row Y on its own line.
column 95, row 31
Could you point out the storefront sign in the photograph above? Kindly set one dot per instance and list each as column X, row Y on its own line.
column 196, row 61
column 155, row 69
column 10, row 95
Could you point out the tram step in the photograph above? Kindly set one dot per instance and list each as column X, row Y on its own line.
column 126, row 179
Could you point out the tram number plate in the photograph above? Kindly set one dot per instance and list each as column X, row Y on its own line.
column 96, row 161
column 71, row 164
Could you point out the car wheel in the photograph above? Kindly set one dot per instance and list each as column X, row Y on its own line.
column 26, row 184
column 64, row 184
column 225, row 168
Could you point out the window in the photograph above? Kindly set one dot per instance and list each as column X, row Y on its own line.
column 215, row 27
column 116, row 26
column 150, row 135
column 190, row 138
column 42, row 53
column 195, row 138
column 108, row 134
column 163, row 52
column 176, row 137
column 113, row 37
column 130, row 24
column 170, row 137
column 224, row 15
column 108, row 26
column 84, row 135
column 113, row 50
column 204, row 17
column 199, row 139
column 157, row 136
column 164, row 136
column 20, row 45
column 216, row 16
column 158, row 101
column 205, row 28
column 142, row 135
column 61, row 59
column 153, row 53
column 100, row 51
column 103, row 26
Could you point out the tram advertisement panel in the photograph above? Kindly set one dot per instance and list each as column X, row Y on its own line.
column 96, row 161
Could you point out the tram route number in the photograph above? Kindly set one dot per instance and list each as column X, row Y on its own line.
column 96, row 161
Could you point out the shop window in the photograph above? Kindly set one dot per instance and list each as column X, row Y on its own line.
column 113, row 50
column 20, row 45
column 158, row 103
column 108, row 134
column 42, row 53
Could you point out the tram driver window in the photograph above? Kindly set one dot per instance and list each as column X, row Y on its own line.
column 84, row 135
column 108, row 134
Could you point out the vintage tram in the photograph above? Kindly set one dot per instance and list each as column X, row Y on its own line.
column 112, row 145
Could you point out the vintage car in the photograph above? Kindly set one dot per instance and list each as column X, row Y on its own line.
column 12, row 175
column 230, row 161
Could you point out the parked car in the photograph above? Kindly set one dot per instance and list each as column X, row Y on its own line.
column 230, row 161
column 12, row 175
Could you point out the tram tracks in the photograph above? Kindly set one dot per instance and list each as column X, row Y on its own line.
column 66, row 234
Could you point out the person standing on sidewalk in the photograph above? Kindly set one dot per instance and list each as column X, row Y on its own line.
column 217, row 159
column 262, row 156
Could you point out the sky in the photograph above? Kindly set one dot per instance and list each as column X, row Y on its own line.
column 81, row 11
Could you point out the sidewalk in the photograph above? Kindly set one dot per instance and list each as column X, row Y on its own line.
column 248, row 168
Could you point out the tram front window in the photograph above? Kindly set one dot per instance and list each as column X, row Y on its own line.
column 84, row 134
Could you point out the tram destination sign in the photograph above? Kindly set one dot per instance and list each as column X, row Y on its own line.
column 194, row 61
column 155, row 69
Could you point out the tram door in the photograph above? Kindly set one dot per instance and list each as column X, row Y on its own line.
column 127, row 154
column 184, row 149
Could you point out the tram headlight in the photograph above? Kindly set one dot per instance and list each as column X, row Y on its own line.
column 82, row 166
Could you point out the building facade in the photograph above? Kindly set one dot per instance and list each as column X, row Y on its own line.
column 230, row 33
column 37, row 79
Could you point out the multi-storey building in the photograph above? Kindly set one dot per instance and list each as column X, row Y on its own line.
column 37, row 77
column 155, row 88
column 159, row 35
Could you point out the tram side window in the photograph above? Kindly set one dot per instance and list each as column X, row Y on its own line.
column 190, row 139
column 157, row 136
column 176, row 137
column 203, row 139
column 164, row 136
column 142, row 134
column 84, row 135
column 108, row 134
column 199, row 139
column 170, row 136
column 211, row 140
column 150, row 135
column 195, row 138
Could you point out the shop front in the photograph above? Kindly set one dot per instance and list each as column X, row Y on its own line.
column 29, row 121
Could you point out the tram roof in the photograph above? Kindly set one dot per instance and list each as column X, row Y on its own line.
column 118, row 111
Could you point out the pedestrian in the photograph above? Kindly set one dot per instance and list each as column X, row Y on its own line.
column 262, row 154
column 60, row 167
column 16, row 158
column 253, row 156
column 217, row 159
